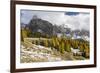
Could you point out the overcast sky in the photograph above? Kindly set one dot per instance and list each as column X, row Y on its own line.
column 74, row 20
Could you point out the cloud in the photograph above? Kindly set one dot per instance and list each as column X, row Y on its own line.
column 74, row 21
column 80, row 21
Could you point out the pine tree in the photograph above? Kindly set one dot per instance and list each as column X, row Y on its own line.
column 67, row 46
column 62, row 47
column 23, row 34
column 46, row 43
column 87, row 51
column 81, row 48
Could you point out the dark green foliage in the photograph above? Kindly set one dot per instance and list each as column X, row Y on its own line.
column 37, row 42
column 42, row 43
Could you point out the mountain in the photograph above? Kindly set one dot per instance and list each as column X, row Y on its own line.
column 42, row 26
column 46, row 28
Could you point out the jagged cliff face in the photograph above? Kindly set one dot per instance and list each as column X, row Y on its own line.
column 42, row 26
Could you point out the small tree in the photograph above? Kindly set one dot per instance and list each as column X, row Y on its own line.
column 24, row 33
column 87, row 51
column 62, row 47
column 46, row 43
column 81, row 48
column 67, row 46
column 53, row 42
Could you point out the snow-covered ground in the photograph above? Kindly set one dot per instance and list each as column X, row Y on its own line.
column 38, row 54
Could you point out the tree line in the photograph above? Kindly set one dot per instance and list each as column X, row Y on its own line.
column 60, row 44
